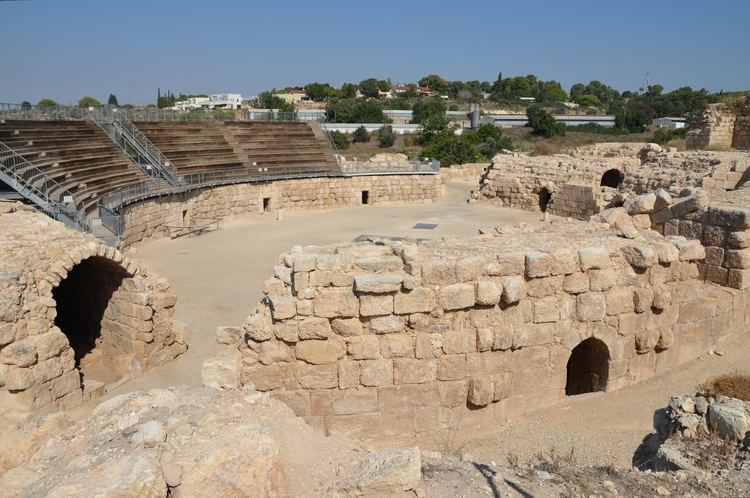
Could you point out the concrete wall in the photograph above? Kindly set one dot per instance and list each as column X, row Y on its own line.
column 148, row 218
column 37, row 362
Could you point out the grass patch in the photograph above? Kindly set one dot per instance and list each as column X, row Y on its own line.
column 731, row 385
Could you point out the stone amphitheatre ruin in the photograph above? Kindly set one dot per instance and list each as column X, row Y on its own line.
column 641, row 262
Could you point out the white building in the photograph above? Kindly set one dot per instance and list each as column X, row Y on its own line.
column 216, row 101
column 669, row 122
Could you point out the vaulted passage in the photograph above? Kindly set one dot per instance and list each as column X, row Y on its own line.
column 588, row 368
column 82, row 298
column 544, row 199
column 612, row 178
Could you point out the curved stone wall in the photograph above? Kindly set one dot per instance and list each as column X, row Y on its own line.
column 148, row 219
column 38, row 365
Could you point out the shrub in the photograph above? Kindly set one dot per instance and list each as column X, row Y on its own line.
column 452, row 149
column 543, row 123
column 89, row 102
column 662, row 136
column 386, row 137
column 340, row 140
column 427, row 109
column 361, row 135
column 355, row 111
column 633, row 121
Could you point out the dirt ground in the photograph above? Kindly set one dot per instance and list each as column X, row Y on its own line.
column 218, row 278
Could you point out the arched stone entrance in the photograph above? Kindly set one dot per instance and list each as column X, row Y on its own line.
column 545, row 197
column 82, row 299
column 588, row 368
column 612, row 178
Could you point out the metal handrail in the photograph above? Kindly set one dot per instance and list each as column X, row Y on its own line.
column 34, row 184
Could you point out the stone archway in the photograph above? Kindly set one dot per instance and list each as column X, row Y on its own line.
column 545, row 197
column 612, row 178
column 81, row 301
column 588, row 368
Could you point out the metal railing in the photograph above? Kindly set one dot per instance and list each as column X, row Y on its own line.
column 35, row 185
column 389, row 168
column 132, row 141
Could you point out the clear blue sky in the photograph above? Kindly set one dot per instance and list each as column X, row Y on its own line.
column 64, row 49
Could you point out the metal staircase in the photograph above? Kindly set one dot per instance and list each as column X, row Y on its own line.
column 135, row 144
column 39, row 188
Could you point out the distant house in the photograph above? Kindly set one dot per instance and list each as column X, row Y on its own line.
column 385, row 95
column 399, row 89
column 673, row 123
column 527, row 99
column 217, row 101
column 294, row 95
column 426, row 91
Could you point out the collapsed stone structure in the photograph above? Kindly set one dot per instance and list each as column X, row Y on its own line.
column 593, row 178
column 412, row 341
column 719, row 127
column 75, row 314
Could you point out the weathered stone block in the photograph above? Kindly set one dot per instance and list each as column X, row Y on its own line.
column 602, row 280
column 481, row 391
column 413, row 371
column 439, row 273
column 485, row 339
column 546, row 310
column 690, row 250
column 488, row 293
column 451, row 367
column 378, row 283
column 363, row 347
column 640, row 204
column 396, row 345
column 514, row 289
column 642, row 299
column 510, row 263
column 576, row 283
column 387, row 324
column 347, row 327
column 314, row 328
column 539, row 264
column 619, row 300
column 459, row 341
column 335, row 302
column 283, row 307
column 591, row 306
column 640, row 256
column 501, row 384
column 456, row 296
column 375, row 305
column 418, row 300
column 376, row 373
column 468, row 269
column 318, row 376
column 348, row 374
column 320, row 352
column 596, row 258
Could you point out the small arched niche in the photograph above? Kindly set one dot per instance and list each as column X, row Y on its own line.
column 545, row 197
column 588, row 368
column 612, row 178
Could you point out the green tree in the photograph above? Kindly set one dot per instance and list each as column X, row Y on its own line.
column 89, row 102
column 369, row 88
column 631, row 120
column 386, row 137
column 427, row 108
column 588, row 100
column 320, row 92
column 46, row 103
column 267, row 100
column 543, row 123
column 384, row 85
column 434, row 128
column 348, row 91
column 355, row 111
column 361, row 135
column 452, row 149
column 576, row 91
column 25, row 105
column 112, row 100
column 435, row 82
column 340, row 140
column 662, row 136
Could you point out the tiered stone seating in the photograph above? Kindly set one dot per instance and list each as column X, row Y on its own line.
column 283, row 147
column 76, row 154
column 193, row 146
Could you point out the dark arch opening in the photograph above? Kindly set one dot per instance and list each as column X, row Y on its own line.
column 81, row 300
column 545, row 196
column 612, row 178
column 588, row 368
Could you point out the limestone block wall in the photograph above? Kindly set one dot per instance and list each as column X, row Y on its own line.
column 576, row 183
column 404, row 342
column 65, row 300
column 148, row 218
column 719, row 127
column 469, row 172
